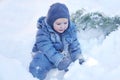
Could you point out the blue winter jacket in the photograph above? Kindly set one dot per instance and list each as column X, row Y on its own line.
column 53, row 45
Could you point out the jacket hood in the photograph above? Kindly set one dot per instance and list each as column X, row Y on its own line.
column 42, row 23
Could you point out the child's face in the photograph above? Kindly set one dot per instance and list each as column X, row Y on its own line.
column 60, row 25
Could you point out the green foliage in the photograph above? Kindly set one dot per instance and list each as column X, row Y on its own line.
column 77, row 15
column 95, row 20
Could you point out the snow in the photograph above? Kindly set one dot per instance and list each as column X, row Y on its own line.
column 18, row 29
column 12, row 69
column 102, row 61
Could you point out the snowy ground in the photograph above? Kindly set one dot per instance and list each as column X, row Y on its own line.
column 18, row 28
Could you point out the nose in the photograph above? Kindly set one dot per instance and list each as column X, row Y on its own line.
column 62, row 25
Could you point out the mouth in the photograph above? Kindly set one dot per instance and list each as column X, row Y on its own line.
column 62, row 30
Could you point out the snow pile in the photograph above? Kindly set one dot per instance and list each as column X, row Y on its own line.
column 12, row 69
column 103, row 62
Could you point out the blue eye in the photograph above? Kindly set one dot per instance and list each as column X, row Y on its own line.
column 62, row 23
column 58, row 23
column 65, row 23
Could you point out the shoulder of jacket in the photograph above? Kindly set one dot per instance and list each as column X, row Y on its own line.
column 41, row 22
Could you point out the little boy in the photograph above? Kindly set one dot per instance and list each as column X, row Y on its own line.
column 56, row 43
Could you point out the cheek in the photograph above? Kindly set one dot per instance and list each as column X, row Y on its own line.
column 55, row 27
column 66, row 27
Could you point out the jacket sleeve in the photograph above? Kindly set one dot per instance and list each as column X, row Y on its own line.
column 45, row 45
column 75, row 49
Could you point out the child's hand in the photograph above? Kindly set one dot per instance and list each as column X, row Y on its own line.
column 64, row 64
column 81, row 60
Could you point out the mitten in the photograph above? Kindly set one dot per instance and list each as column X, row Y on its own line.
column 64, row 63
column 81, row 60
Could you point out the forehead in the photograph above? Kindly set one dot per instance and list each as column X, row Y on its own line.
column 61, row 20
